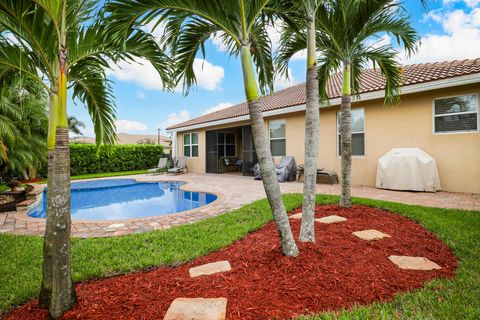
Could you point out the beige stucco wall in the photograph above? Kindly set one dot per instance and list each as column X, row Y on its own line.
column 406, row 125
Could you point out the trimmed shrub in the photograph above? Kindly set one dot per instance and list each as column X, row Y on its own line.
column 87, row 159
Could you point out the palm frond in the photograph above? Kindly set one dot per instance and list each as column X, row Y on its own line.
column 292, row 40
column 91, row 87
column 261, row 49
column 345, row 32
column 33, row 30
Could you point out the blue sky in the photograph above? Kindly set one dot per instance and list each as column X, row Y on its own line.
column 450, row 29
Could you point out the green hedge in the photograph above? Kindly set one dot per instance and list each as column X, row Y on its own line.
column 86, row 159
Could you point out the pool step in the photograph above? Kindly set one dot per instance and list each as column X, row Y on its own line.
column 24, row 205
column 33, row 196
column 35, row 192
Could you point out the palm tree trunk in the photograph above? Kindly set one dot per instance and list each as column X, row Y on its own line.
column 267, row 167
column 346, row 134
column 57, row 292
column 312, row 119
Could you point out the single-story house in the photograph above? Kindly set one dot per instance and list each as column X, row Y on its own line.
column 438, row 113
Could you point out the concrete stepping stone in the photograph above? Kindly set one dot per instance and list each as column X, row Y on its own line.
column 370, row 234
column 210, row 268
column 116, row 225
column 414, row 263
column 197, row 309
column 331, row 219
column 296, row 216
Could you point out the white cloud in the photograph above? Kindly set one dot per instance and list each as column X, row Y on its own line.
column 274, row 33
column 300, row 55
column 174, row 118
column 220, row 106
column 469, row 3
column 377, row 42
column 460, row 41
column 209, row 76
column 281, row 82
column 157, row 30
column 218, row 41
column 141, row 72
column 127, row 126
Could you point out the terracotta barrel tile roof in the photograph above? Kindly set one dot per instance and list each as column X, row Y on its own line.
column 371, row 81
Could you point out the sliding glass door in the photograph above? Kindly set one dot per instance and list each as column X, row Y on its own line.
column 248, row 151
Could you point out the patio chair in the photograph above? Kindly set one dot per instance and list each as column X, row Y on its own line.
column 161, row 167
column 180, row 166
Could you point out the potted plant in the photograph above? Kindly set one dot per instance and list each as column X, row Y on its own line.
column 13, row 184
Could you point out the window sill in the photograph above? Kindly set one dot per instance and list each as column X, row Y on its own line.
column 455, row 132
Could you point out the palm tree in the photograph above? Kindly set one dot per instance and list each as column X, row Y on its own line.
column 347, row 38
column 23, row 127
column 300, row 24
column 240, row 24
column 75, row 125
column 65, row 44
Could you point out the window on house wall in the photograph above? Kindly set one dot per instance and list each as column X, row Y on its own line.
column 456, row 114
column 358, row 132
column 190, row 144
column 277, row 137
column 226, row 144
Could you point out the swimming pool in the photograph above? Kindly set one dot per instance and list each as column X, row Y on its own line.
column 126, row 199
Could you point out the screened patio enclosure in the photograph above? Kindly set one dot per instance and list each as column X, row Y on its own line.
column 230, row 150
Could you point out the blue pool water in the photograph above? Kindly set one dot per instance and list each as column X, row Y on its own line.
column 126, row 199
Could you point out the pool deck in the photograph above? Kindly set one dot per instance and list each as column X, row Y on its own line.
column 233, row 191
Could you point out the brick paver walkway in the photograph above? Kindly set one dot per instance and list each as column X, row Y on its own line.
column 233, row 192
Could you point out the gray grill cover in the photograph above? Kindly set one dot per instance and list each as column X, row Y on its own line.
column 285, row 171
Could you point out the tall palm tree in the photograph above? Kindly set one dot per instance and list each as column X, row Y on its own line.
column 240, row 24
column 348, row 33
column 300, row 23
column 64, row 44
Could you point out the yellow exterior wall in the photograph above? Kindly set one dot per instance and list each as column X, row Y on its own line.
column 406, row 125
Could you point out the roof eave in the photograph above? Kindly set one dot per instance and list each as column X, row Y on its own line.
column 379, row 94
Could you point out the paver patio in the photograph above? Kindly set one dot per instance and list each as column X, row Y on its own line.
column 233, row 191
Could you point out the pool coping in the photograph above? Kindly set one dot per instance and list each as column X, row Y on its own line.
column 186, row 186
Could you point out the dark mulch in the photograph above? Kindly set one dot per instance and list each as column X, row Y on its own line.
column 338, row 271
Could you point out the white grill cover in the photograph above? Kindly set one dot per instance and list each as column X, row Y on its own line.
column 408, row 169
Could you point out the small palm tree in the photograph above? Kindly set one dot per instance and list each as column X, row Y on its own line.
column 241, row 24
column 65, row 44
column 75, row 125
column 298, row 33
column 346, row 33
column 23, row 127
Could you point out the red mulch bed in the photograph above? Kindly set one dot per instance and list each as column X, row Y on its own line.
column 338, row 271
column 33, row 180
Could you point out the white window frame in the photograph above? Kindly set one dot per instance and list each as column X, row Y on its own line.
column 337, row 151
column 457, row 113
column 190, row 145
column 225, row 143
column 284, row 137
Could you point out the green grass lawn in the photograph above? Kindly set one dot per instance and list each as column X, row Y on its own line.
column 20, row 264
